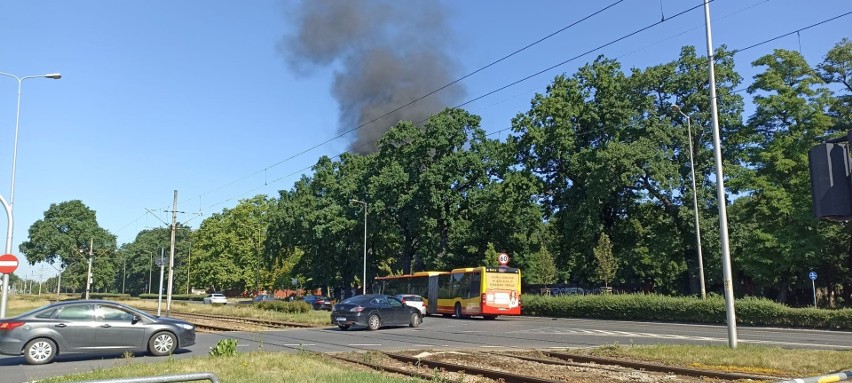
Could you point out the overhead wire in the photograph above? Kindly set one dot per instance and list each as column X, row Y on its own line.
column 266, row 183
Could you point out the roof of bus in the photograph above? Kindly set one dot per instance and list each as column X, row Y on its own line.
column 417, row 274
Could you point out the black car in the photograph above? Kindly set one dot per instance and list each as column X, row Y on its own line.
column 374, row 311
column 318, row 302
column 90, row 326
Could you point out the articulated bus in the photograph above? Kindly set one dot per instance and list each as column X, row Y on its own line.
column 423, row 283
column 473, row 291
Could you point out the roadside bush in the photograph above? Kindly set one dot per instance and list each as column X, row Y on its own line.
column 297, row 307
column 109, row 296
column 641, row 307
column 225, row 347
column 176, row 297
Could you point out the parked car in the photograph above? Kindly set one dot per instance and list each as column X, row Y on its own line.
column 413, row 300
column 374, row 311
column 318, row 302
column 264, row 298
column 216, row 298
column 86, row 326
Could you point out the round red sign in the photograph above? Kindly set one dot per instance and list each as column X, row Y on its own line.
column 503, row 259
column 8, row 263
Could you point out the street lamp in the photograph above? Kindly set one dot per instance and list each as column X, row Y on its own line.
column 364, row 281
column 8, row 206
column 676, row 109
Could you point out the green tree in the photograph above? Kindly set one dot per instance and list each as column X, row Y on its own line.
column 491, row 255
column 607, row 265
column 541, row 269
column 64, row 237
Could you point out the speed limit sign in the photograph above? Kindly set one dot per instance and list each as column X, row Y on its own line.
column 503, row 259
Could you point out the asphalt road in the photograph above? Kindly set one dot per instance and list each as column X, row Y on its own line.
column 449, row 333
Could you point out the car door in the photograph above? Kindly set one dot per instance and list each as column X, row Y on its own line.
column 399, row 311
column 75, row 325
column 116, row 329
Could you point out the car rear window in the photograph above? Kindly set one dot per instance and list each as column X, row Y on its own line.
column 413, row 298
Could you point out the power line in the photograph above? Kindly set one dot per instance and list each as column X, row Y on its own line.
column 505, row 57
column 503, row 88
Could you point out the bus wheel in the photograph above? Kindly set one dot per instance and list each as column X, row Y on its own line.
column 490, row 317
column 458, row 310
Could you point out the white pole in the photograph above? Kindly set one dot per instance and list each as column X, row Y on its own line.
column 813, row 287
column 160, row 291
column 89, row 275
column 172, row 257
column 694, row 202
column 720, row 191
column 10, row 229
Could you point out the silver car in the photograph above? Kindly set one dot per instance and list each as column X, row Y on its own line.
column 90, row 326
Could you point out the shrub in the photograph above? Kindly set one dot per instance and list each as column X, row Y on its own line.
column 641, row 307
column 225, row 347
column 297, row 307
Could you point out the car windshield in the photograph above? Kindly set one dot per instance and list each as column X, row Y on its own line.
column 356, row 300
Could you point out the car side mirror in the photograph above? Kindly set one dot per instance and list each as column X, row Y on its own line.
column 136, row 318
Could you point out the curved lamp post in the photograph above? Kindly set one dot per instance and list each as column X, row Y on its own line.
column 8, row 206
column 676, row 109
column 363, row 281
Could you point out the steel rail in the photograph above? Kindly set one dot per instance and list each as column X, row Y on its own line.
column 658, row 367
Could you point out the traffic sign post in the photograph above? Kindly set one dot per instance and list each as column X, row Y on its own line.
column 8, row 265
column 813, row 276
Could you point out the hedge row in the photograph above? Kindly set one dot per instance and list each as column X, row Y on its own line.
column 295, row 307
column 110, row 296
column 640, row 307
column 176, row 297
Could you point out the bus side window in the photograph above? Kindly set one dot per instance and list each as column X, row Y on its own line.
column 475, row 283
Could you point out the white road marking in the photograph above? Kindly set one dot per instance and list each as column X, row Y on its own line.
column 364, row 344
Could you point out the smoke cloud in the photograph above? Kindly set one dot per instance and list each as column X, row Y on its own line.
column 385, row 54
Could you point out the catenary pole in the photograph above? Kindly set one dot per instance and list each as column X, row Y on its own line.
column 720, row 191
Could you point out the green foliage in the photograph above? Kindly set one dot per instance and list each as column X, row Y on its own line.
column 295, row 307
column 541, row 268
column 177, row 297
column 224, row 347
column 491, row 255
column 750, row 311
column 606, row 263
column 109, row 296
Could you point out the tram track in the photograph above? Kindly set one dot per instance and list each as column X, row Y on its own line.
column 515, row 364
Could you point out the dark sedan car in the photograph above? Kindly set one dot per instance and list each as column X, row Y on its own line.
column 374, row 311
column 318, row 302
column 90, row 326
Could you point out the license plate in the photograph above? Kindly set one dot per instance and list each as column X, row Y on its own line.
column 340, row 319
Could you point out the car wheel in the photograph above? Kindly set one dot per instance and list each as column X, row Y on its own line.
column 414, row 320
column 40, row 351
column 343, row 326
column 374, row 322
column 162, row 343
column 458, row 310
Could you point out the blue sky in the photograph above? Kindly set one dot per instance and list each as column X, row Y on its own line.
column 194, row 96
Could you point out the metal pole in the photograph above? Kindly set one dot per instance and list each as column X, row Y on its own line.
column 160, row 292
column 150, row 270
column 364, row 281
column 172, row 257
column 8, row 209
column 694, row 202
column 189, row 267
column 59, row 286
column 720, row 191
column 813, row 287
column 124, row 274
column 10, row 229
column 89, row 275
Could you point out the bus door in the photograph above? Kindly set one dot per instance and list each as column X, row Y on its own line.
column 432, row 308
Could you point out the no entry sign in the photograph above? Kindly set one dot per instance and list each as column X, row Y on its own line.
column 8, row 263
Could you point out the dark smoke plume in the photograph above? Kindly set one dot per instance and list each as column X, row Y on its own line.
column 385, row 54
